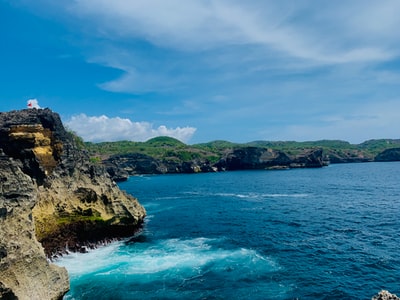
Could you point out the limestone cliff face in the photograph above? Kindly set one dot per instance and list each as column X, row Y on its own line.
column 51, row 194
column 24, row 271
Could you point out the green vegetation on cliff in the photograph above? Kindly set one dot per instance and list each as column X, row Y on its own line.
column 168, row 148
column 159, row 148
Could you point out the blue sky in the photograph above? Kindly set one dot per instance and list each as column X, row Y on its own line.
column 205, row 70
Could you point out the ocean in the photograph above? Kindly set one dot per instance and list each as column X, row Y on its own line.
column 329, row 233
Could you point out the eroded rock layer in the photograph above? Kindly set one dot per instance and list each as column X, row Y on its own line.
column 51, row 199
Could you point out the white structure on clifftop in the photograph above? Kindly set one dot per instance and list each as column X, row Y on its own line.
column 33, row 103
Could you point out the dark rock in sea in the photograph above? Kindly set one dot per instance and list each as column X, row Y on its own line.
column 389, row 155
column 122, row 166
column 253, row 158
column 250, row 158
column 385, row 295
column 137, row 239
column 52, row 199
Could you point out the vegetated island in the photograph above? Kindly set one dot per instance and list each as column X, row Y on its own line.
column 52, row 198
column 162, row 155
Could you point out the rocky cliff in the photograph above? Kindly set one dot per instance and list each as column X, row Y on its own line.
column 248, row 158
column 243, row 158
column 51, row 199
column 351, row 156
column 122, row 166
column 389, row 155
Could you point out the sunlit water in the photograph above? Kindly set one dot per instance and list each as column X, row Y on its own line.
column 330, row 233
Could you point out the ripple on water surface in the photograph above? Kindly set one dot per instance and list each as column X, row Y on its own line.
column 307, row 234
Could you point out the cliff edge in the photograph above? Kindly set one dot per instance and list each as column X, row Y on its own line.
column 51, row 199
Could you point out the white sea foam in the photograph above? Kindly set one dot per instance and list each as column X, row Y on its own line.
column 83, row 263
column 285, row 195
column 261, row 195
column 174, row 257
column 249, row 195
column 244, row 195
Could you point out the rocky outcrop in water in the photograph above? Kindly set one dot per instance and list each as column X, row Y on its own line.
column 389, row 155
column 51, row 199
column 385, row 295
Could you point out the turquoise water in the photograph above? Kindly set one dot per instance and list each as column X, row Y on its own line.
column 330, row 233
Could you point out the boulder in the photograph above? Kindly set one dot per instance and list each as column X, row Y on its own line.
column 385, row 295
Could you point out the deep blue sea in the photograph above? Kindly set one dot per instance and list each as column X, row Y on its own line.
column 330, row 233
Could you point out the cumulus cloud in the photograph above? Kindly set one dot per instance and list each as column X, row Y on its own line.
column 103, row 128
column 33, row 103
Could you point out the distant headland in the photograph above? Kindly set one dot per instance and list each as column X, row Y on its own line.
column 162, row 155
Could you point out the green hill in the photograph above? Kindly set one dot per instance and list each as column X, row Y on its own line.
column 168, row 148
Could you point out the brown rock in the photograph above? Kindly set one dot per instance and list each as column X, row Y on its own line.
column 51, row 196
column 24, row 270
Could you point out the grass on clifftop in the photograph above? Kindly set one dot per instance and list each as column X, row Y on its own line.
column 172, row 149
column 159, row 147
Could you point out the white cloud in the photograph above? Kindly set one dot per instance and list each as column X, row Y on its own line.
column 33, row 103
column 103, row 128
column 273, row 62
column 285, row 34
column 329, row 32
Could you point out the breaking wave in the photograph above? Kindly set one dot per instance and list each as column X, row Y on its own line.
column 173, row 268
